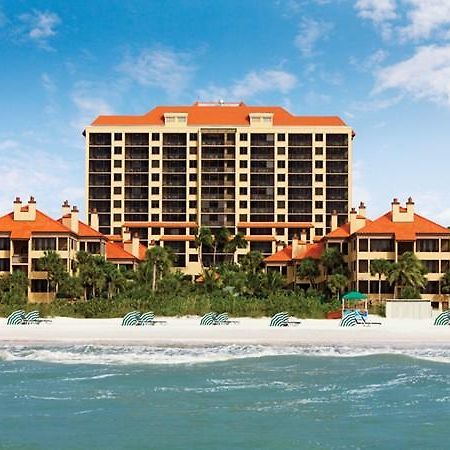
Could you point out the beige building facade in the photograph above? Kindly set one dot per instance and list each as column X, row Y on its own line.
column 257, row 170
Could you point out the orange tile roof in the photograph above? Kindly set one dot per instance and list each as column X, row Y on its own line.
column 84, row 230
column 403, row 231
column 114, row 237
column 210, row 115
column 341, row 232
column 21, row 229
column 313, row 251
column 275, row 225
column 115, row 252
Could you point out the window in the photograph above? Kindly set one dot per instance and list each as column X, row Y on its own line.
column 193, row 150
column 243, row 177
column 242, row 191
column 155, row 150
column 281, row 137
column 192, row 217
column 427, row 245
column 319, row 177
column 117, row 177
column 117, row 204
column 318, row 218
column 192, row 204
column 243, row 164
column 155, row 231
column 38, row 285
column 117, row 136
column 431, row 266
column 117, row 217
column 155, row 164
column 319, row 231
column 155, row 217
column 281, row 204
column 62, row 244
column 280, row 231
column 44, row 244
column 281, row 151
column 192, row 136
column 4, row 265
column 117, row 163
column 117, row 150
column 319, row 137
column 193, row 258
column 242, row 217
column 4, row 244
column 318, row 191
column 155, row 203
column 192, row 177
column 281, row 164
column 281, row 218
column 445, row 245
column 363, row 266
column 155, row 176
column 193, row 164
column 381, row 245
column 155, row 136
column 243, row 150
column 155, row 191
column 242, row 204
column 363, row 245
column 319, row 151
column 281, row 177
column 192, row 191
column 445, row 266
column 318, row 205
column 281, row 191
column 243, row 136
column 117, row 190
column 318, row 164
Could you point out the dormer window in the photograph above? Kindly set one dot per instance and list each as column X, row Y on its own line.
column 175, row 119
column 261, row 119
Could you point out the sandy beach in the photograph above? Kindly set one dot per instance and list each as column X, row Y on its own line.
column 187, row 331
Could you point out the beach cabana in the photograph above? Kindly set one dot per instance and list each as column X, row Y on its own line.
column 350, row 301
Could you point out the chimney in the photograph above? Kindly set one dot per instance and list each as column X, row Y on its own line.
column 279, row 245
column 403, row 215
column 32, row 208
column 74, row 220
column 135, row 245
column 356, row 222
column 303, row 236
column 94, row 219
column 362, row 210
column 17, row 206
column 126, row 235
column 65, row 208
column 410, row 209
column 334, row 220
column 297, row 246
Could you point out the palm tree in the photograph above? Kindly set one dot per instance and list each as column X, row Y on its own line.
column 158, row 261
column 333, row 262
column 251, row 263
column 380, row 267
column 220, row 240
column 445, row 283
column 408, row 272
column 52, row 263
column 90, row 272
column 308, row 268
column 337, row 283
column 237, row 241
column 203, row 238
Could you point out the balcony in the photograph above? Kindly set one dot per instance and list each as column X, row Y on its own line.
column 20, row 259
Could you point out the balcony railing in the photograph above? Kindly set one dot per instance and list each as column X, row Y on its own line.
column 20, row 259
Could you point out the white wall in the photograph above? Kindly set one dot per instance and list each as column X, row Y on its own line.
column 408, row 309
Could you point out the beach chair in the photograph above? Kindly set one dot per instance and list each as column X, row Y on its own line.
column 34, row 318
column 443, row 318
column 209, row 319
column 361, row 319
column 223, row 319
column 349, row 320
column 148, row 318
column 16, row 318
column 131, row 319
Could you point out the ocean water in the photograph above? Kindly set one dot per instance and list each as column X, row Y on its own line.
column 228, row 397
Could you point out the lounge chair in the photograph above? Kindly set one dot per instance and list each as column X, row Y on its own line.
column 443, row 318
column 209, row 319
column 131, row 319
column 34, row 318
column 223, row 319
column 281, row 319
column 361, row 319
column 349, row 320
column 148, row 318
column 16, row 318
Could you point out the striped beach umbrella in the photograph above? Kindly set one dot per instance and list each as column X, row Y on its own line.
column 32, row 317
column 350, row 320
column 222, row 318
column 443, row 318
column 131, row 318
column 147, row 318
column 280, row 320
column 16, row 318
column 209, row 319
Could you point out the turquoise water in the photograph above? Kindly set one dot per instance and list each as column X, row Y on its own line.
column 247, row 397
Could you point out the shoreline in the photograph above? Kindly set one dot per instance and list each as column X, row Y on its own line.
column 187, row 332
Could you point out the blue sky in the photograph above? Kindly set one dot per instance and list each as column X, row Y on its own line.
column 382, row 65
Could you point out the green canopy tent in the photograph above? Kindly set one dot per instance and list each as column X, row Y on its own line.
column 353, row 296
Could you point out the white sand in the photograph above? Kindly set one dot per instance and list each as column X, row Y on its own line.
column 187, row 331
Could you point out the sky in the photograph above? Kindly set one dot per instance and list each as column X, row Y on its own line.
column 383, row 66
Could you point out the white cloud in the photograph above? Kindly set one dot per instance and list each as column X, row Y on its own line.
column 48, row 83
column 310, row 32
column 165, row 69
column 425, row 17
column 380, row 12
column 8, row 144
column 425, row 75
column 370, row 63
column 39, row 26
column 254, row 83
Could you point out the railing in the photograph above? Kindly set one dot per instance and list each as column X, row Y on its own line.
column 20, row 259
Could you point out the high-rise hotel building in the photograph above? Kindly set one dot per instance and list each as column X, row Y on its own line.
column 253, row 169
